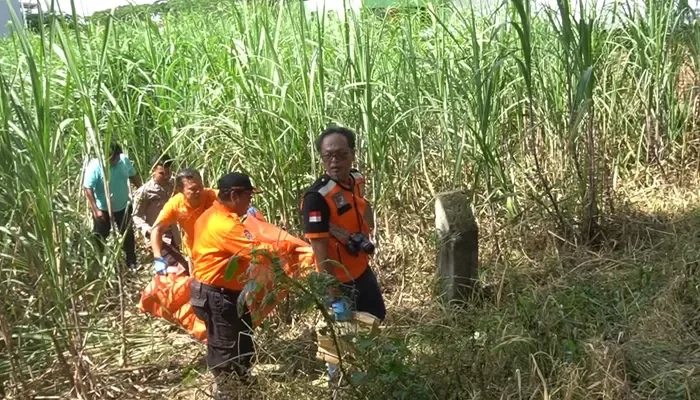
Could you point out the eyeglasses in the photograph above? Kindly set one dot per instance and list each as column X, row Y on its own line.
column 340, row 156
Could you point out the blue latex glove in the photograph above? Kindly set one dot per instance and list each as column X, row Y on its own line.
column 160, row 266
column 255, row 213
column 341, row 311
column 332, row 370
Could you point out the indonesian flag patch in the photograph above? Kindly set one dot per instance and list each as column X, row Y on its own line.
column 315, row 216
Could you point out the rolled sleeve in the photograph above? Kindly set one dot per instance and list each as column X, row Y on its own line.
column 168, row 215
column 316, row 216
column 90, row 177
column 237, row 241
column 234, row 241
column 131, row 171
column 141, row 204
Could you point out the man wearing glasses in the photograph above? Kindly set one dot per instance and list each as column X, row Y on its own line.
column 337, row 221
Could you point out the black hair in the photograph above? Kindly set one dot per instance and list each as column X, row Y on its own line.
column 115, row 150
column 163, row 160
column 346, row 132
column 185, row 173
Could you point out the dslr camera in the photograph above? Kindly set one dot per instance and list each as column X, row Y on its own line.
column 359, row 242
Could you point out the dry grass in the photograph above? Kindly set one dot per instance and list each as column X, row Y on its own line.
column 440, row 102
column 557, row 321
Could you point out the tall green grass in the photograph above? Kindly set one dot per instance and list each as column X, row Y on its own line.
column 532, row 113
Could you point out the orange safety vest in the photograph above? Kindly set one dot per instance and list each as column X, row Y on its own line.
column 349, row 214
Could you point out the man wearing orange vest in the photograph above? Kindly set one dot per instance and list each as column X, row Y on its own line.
column 337, row 221
column 191, row 200
column 221, row 256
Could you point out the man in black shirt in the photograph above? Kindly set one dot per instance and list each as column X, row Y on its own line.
column 337, row 221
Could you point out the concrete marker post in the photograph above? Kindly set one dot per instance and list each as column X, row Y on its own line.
column 457, row 246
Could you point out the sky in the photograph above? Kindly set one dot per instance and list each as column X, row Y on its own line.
column 88, row 7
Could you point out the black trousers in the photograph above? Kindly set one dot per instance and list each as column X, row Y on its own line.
column 102, row 227
column 230, row 347
column 174, row 257
column 365, row 295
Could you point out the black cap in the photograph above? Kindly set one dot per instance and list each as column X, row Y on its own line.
column 236, row 181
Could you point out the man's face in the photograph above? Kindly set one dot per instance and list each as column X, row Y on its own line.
column 192, row 190
column 161, row 175
column 241, row 200
column 337, row 156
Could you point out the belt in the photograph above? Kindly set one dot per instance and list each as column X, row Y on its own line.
column 210, row 288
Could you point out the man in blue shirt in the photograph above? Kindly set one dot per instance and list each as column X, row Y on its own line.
column 121, row 171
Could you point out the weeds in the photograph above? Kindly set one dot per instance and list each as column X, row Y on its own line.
column 564, row 125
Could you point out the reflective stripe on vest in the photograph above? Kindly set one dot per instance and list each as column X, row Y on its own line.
column 339, row 233
column 327, row 188
column 342, row 226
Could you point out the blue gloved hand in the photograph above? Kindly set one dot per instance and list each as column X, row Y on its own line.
column 341, row 311
column 160, row 266
column 255, row 213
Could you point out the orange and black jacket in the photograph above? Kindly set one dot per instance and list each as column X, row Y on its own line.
column 330, row 210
